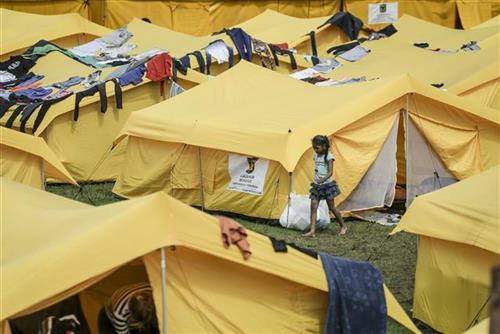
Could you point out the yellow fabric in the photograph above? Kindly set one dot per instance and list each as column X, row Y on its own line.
column 70, row 227
column 463, row 219
column 480, row 328
column 201, row 18
column 458, row 72
column 223, row 128
column 441, row 12
column 84, row 146
column 21, row 30
column 487, row 94
column 28, row 159
column 47, row 7
column 465, row 212
column 474, row 12
column 215, row 116
column 449, row 289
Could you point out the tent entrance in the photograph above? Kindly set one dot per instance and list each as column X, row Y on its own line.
column 405, row 167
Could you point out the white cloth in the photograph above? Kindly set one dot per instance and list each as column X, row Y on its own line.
column 175, row 89
column 308, row 72
column 355, row 54
column 113, row 42
column 340, row 82
column 6, row 76
column 326, row 65
column 219, row 51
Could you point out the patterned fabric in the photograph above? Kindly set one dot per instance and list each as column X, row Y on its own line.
column 263, row 52
column 118, row 310
column 327, row 191
column 356, row 299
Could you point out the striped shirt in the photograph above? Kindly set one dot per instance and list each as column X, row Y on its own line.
column 118, row 310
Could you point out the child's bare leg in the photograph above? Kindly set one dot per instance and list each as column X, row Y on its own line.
column 338, row 216
column 314, row 211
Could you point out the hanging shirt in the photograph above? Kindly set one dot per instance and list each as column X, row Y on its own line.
column 326, row 65
column 34, row 93
column 133, row 77
column 306, row 73
column 159, row 68
column 219, row 51
column 321, row 167
column 107, row 43
column 118, row 310
column 175, row 89
column 340, row 82
column 6, row 76
column 17, row 66
column 355, row 54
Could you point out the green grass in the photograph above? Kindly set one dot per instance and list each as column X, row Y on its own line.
column 395, row 257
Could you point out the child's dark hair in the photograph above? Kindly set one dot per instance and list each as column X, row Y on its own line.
column 320, row 140
column 142, row 308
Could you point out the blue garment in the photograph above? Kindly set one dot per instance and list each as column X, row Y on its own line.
column 356, row 300
column 242, row 41
column 133, row 77
column 34, row 93
column 72, row 81
column 185, row 61
column 30, row 81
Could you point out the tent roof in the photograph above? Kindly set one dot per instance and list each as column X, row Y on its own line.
column 274, row 27
column 464, row 212
column 269, row 26
column 246, row 108
column 81, row 241
column 459, row 72
column 21, row 30
column 36, row 146
column 67, row 67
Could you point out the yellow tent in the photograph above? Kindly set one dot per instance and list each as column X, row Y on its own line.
column 480, row 328
column 269, row 26
column 208, row 288
column 27, row 159
column 82, row 145
column 273, row 118
column 21, row 30
column 474, row 74
column 442, row 12
column 48, row 7
column 204, row 17
column 462, row 219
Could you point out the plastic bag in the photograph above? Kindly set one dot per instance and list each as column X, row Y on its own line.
column 299, row 215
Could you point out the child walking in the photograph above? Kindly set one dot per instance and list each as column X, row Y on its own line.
column 324, row 187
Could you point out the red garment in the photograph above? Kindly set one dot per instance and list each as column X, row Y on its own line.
column 282, row 45
column 234, row 233
column 159, row 68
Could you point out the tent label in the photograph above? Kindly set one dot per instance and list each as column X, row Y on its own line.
column 382, row 12
column 248, row 174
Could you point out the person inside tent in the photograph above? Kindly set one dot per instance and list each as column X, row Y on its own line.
column 130, row 310
column 323, row 187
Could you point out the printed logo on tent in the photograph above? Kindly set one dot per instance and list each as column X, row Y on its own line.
column 382, row 13
column 248, row 174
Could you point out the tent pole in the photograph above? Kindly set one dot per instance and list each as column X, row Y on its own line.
column 42, row 174
column 163, row 266
column 405, row 114
column 202, row 190
column 290, row 178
